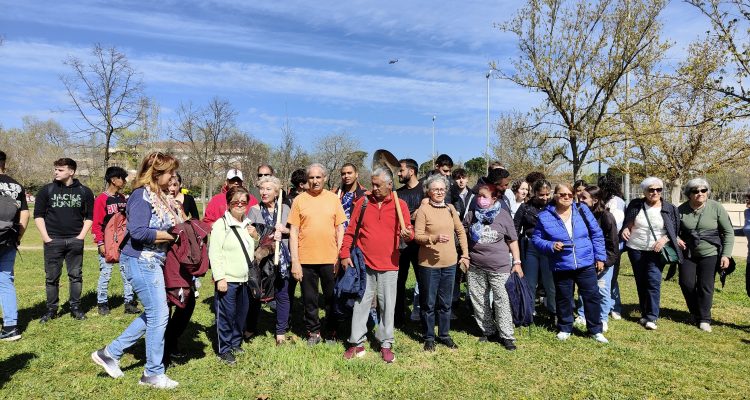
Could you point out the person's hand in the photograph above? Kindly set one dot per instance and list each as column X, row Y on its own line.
column 277, row 236
column 47, row 239
column 81, row 237
column 405, row 234
column 464, row 264
column 682, row 244
column 660, row 244
column 252, row 231
column 279, row 228
column 599, row 266
column 221, row 285
column 101, row 250
column 297, row 271
column 443, row 238
column 625, row 234
column 558, row 246
column 346, row 263
column 517, row 269
column 724, row 262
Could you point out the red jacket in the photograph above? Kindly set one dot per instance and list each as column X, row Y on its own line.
column 379, row 235
column 105, row 206
column 188, row 255
column 217, row 206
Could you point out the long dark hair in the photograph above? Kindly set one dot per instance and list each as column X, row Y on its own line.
column 597, row 194
column 537, row 186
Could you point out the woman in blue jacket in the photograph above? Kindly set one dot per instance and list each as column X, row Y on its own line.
column 572, row 239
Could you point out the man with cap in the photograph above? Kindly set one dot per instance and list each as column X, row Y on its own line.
column 217, row 206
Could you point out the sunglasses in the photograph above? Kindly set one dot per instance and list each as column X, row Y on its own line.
column 238, row 203
column 696, row 191
column 262, row 175
column 655, row 190
column 564, row 195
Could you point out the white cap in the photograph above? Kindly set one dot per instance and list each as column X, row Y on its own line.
column 234, row 173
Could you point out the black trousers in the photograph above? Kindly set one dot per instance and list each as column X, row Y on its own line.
column 312, row 274
column 406, row 260
column 55, row 252
column 697, row 277
column 177, row 324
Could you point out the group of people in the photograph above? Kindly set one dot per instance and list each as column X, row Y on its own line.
column 364, row 242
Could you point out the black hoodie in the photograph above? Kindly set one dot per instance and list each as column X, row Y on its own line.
column 64, row 208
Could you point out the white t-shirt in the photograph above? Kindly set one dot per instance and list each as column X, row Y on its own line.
column 616, row 206
column 569, row 225
column 640, row 235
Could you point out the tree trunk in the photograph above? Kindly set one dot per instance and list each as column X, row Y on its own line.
column 676, row 189
column 203, row 195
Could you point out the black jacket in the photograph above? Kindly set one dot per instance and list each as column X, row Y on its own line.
column 526, row 218
column 668, row 213
column 611, row 238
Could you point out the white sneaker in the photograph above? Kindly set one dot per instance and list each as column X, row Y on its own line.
column 651, row 326
column 600, row 338
column 579, row 321
column 605, row 326
column 415, row 314
column 705, row 326
column 563, row 336
column 615, row 316
column 158, row 381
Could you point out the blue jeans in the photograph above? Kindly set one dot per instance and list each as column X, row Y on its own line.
column 147, row 279
column 604, row 282
column 538, row 264
column 435, row 298
column 585, row 279
column 105, row 274
column 647, row 269
column 8, row 300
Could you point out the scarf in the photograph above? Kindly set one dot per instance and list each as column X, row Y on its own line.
column 438, row 205
column 284, row 256
column 484, row 216
column 347, row 202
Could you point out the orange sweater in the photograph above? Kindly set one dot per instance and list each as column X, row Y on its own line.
column 432, row 221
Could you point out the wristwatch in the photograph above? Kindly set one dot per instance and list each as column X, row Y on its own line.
column 517, row 262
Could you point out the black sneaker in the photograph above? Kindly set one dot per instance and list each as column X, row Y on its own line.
column 10, row 334
column 314, row 339
column 132, row 308
column 228, row 358
column 508, row 344
column 448, row 342
column 77, row 314
column 483, row 339
column 49, row 315
column 429, row 345
column 237, row 351
column 103, row 309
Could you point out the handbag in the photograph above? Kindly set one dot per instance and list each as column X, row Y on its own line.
column 253, row 279
column 668, row 254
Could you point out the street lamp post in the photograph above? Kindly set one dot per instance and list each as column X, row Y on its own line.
column 487, row 150
column 433, row 139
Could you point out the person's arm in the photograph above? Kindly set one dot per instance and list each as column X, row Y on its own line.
column 420, row 223
column 409, row 234
column 596, row 235
column 611, row 242
column 458, row 227
column 216, row 254
column 100, row 212
column 727, row 230
column 40, row 211
column 518, row 219
column 294, row 250
column 139, row 216
column 23, row 221
column 515, row 252
column 540, row 241
column 86, row 226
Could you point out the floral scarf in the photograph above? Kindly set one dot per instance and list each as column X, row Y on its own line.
column 284, row 256
column 483, row 216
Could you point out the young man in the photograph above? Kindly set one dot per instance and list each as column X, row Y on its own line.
column 64, row 214
column 350, row 190
column 378, row 241
column 299, row 184
column 14, row 217
column 317, row 231
column 411, row 193
column 443, row 166
column 217, row 206
column 106, row 205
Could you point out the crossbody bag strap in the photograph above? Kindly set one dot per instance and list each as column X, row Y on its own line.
column 645, row 213
column 242, row 243
column 359, row 222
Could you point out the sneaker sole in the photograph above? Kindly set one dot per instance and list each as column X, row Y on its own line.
column 11, row 338
column 158, row 387
column 102, row 364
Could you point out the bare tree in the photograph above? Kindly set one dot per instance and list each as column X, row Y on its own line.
column 288, row 155
column 333, row 151
column 106, row 93
column 523, row 147
column 576, row 52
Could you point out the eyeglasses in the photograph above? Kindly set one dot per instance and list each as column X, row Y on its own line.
column 262, row 175
column 654, row 190
column 238, row 203
column 441, row 190
column 696, row 191
column 564, row 195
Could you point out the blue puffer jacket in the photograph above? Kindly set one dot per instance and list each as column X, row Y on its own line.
column 588, row 241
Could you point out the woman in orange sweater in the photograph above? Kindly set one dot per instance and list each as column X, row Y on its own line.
column 437, row 226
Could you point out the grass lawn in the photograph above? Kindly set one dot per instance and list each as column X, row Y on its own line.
column 676, row 361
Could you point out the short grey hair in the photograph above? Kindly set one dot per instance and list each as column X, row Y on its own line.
column 384, row 173
column 274, row 181
column 435, row 178
column 316, row 165
column 695, row 183
column 651, row 181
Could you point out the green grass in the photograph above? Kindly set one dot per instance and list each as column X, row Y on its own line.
column 677, row 361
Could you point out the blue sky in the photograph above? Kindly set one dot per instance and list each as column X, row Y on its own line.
column 323, row 65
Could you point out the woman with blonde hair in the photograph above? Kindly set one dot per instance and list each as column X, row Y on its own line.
column 151, row 214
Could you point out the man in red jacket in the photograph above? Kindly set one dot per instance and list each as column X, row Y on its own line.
column 378, row 238
column 217, row 206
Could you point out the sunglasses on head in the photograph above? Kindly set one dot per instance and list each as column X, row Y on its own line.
column 696, row 191
column 655, row 190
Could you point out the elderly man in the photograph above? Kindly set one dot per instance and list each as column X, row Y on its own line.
column 217, row 206
column 317, row 230
column 378, row 239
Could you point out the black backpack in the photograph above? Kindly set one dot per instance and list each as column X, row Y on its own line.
column 8, row 229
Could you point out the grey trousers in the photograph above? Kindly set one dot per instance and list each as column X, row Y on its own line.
column 384, row 285
column 481, row 283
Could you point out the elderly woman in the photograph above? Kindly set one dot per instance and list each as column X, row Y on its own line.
column 650, row 224
column 706, row 238
column 436, row 228
column 491, row 236
column 535, row 264
column 267, row 213
column 151, row 214
column 572, row 239
column 232, row 244
column 520, row 189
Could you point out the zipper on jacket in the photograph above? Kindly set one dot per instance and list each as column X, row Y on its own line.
column 573, row 229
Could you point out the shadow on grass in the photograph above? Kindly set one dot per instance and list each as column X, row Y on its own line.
column 35, row 312
column 13, row 364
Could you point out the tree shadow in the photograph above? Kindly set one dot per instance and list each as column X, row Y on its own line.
column 13, row 364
